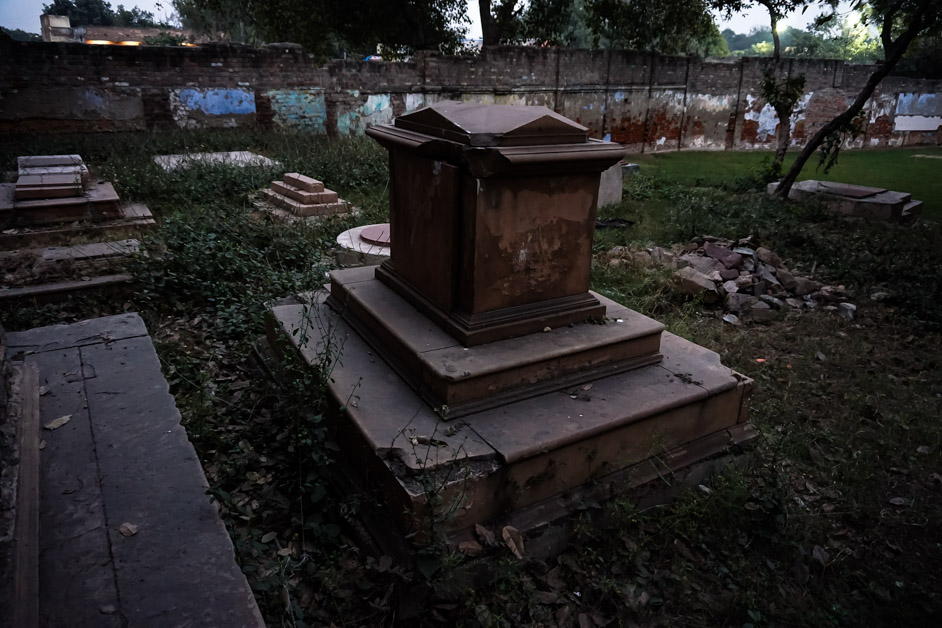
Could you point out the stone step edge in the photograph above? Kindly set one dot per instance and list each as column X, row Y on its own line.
column 57, row 288
column 23, row 412
column 304, row 182
column 303, row 196
column 303, row 209
column 131, row 219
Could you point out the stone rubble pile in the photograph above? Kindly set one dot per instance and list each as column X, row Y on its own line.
column 750, row 281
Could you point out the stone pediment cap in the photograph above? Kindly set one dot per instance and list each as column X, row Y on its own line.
column 475, row 124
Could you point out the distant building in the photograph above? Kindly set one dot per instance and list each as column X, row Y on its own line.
column 56, row 28
column 59, row 28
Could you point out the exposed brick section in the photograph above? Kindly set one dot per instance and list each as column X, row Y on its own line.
column 646, row 101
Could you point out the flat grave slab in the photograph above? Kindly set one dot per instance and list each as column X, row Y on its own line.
column 239, row 159
column 849, row 190
column 856, row 201
column 123, row 458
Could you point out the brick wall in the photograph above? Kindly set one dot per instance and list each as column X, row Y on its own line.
column 648, row 102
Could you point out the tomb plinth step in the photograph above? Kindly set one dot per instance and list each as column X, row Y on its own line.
column 78, row 252
column 45, row 161
column 303, row 182
column 305, row 209
column 99, row 202
column 50, row 211
column 911, row 210
column 58, row 191
column 132, row 219
column 304, row 196
column 48, row 292
column 550, row 448
column 32, row 181
column 465, row 380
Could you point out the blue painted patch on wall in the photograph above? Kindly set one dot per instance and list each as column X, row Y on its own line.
column 219, row 102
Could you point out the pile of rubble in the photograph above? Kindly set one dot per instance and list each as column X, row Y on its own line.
column 751, row 281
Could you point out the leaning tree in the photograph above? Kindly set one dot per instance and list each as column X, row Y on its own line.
column 899, row 23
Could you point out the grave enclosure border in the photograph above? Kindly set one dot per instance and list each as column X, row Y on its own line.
column 646, row 101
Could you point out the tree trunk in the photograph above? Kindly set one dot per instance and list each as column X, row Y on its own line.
column 782, row 136
column 489, row 34
column 892, row 58
column 784, row 130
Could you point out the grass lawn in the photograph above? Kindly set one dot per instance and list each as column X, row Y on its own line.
column 902, row 170
column 837, row 523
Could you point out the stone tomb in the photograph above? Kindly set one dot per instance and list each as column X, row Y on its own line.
column 483, row 314
column 303, row 197
column 55, row 202
column 856, row 201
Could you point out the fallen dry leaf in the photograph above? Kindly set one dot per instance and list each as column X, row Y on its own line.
column 128, row 529
column 485, row 535
column 898, row 501
column 513, row 540
column 820, row 555
column 470, row 548
column 269, row 536
column 924, row 449
column 56, row 424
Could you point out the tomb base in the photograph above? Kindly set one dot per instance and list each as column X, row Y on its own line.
column 526, row 461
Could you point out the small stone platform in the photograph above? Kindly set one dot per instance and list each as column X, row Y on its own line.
column 127, row 535
column 533, row 458
column 304, row 197
column 53, row 202
column 856, row 201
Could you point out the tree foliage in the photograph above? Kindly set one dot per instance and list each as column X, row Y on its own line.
column 900, row 23
column 669, row 26
column 17, row 34
column 327, row 27
column 100, row 13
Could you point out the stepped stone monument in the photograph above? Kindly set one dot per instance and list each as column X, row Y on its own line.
column 476, row 363
column 303, row 196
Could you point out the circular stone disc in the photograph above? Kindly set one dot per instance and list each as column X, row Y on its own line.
column 376, row 234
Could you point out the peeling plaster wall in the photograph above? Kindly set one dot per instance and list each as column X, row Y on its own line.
column 645, row 101
column 304, row 108
column 193, row 108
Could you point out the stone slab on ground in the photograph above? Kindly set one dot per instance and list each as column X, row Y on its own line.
column 852, row 200
column 79, row 252
column 239, row 159
column 123, row 457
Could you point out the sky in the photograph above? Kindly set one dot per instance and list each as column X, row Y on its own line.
column 24, row 14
